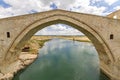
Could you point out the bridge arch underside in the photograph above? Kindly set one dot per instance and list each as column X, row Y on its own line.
column 105, row 56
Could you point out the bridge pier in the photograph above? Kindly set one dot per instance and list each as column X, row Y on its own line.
column 116, row 71
column 111, row 69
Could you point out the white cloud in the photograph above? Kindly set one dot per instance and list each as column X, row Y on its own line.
column 82, row 3
column 117, row 8
column 84, row 7
column 20, row 7
column 110, row 2
column 93, row 1
column 5, row 12
column 90, row 10
column 59, row 30
column 61, row 4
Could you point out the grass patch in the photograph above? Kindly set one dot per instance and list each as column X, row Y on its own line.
column 34, row 45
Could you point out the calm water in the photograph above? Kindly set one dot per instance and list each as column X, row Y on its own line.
column 64, row 60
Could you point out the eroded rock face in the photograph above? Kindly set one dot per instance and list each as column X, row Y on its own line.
column 27, row 59
column 7, row 76
column 25, row 56
column 1, row 74
column 24, row 59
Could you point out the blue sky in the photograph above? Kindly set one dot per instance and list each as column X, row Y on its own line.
column 10, row 8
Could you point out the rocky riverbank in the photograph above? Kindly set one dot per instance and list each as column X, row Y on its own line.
column 25, row 58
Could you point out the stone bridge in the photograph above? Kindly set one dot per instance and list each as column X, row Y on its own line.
column 104, row 33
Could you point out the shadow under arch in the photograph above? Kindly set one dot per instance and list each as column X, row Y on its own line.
column 101, row 46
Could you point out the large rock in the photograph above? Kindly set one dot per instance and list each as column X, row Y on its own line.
column 24, row 57
column 23, row 61
column 7, row 76
column 1, row 74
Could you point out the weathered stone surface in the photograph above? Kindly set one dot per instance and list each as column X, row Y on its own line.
column 27, row 62
column 7, row 76
column 24, row 60
column 98, row 29
column 26, row 56
column 1, row 75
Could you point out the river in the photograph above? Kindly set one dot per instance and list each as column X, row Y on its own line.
column 61, row 59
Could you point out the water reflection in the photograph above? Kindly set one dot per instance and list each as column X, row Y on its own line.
column 63, row 60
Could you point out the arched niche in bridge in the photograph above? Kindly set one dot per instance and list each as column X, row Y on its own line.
column 101, row 46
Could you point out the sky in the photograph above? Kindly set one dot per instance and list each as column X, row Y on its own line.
column 9, row 8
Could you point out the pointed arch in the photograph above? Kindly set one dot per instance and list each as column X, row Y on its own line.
column 101, row 46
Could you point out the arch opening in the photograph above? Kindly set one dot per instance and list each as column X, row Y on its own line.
column 55, row 45
column 98, row 45
column 43, row 35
